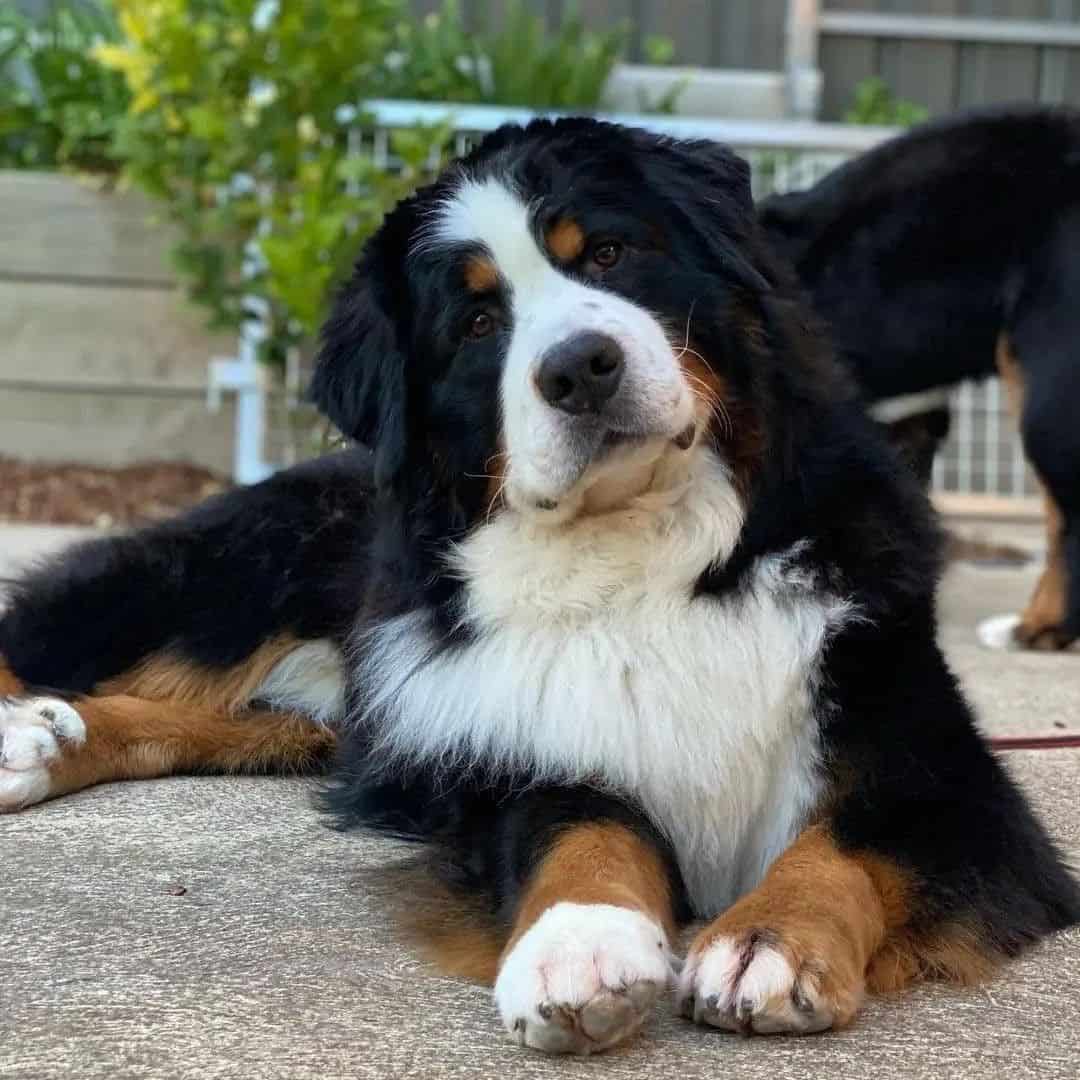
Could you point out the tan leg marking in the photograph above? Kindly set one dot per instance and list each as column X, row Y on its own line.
column 588, row 953
column 165, row 716
column 598, row 864
column 166, row 677
column 129, row 738
column 1040, row 625
column 798, row 953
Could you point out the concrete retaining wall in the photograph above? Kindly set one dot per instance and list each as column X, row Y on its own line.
column 101, row 358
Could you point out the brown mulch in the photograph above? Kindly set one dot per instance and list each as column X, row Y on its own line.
column 979, row 550
column 71, row 494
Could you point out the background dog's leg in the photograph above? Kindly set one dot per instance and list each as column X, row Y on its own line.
column 588, row 954
column 1045, row 340
column 1041, row 626
column 49, row 746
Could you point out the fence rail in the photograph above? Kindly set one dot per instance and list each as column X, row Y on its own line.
column 864, row 24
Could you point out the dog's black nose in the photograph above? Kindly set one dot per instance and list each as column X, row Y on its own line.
column 582, row 373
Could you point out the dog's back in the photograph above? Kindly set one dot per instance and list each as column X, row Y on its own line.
column 918, row 254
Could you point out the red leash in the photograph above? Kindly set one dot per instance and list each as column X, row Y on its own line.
column 1035, row 742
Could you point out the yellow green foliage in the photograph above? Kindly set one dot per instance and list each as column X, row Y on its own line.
column 234, row 123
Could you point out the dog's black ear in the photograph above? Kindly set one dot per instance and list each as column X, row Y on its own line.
column 359, row 380
column 724, row 174
column 717, row 198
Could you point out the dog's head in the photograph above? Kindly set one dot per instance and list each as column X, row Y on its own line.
column 558, row 315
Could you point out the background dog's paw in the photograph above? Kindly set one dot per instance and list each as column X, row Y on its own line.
column 999, row 632
column 34, row 733
column 582, row 978
column 754, row 983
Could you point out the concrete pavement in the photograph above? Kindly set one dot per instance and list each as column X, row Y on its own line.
column 213, row 928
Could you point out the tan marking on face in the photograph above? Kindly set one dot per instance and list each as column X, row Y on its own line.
column 565, row 240
column 734, row 425
column 481, row 275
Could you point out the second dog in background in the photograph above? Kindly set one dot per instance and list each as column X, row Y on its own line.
column 953, row 253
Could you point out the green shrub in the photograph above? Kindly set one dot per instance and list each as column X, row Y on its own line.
column 439, row 59
column 875, row 103
column 59, row 107
column 234, row 125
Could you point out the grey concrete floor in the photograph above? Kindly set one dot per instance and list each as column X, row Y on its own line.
column 213, row 928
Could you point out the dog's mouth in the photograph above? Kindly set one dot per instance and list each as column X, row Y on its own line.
column 614, row 439
column 617, row 452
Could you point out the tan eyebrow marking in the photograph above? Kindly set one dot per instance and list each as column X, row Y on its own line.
column 480, row 274
column 565, row 240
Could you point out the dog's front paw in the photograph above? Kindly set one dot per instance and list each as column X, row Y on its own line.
column 34, row 734
column 582, row 978
column 757, row 982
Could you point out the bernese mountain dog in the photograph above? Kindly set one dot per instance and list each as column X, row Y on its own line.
column 952, row 253
column 628, row 613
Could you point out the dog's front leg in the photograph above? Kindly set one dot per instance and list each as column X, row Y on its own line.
column 589, row 952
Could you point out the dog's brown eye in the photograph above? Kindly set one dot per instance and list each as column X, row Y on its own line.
column 607, row 254
column 482, row 324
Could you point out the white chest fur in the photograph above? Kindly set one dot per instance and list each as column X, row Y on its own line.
column 593, row 661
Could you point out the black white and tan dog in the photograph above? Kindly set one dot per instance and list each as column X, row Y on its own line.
column 629, row 613
column 950, row 253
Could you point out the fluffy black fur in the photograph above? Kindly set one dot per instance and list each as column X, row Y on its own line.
column 330, row 548
column 922, row 252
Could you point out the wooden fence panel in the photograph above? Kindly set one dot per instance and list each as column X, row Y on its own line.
column 692, row 31
column 101, row 358
column 750, row 34
column 846, row 62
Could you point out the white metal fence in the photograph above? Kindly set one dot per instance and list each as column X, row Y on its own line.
column 982, row 455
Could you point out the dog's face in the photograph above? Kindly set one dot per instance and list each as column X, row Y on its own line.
column 557, row 315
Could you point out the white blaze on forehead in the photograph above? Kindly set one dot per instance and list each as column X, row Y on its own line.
column 488, row 212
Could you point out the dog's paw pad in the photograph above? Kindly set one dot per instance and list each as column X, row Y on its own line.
column 34, row 732
column 582, row 978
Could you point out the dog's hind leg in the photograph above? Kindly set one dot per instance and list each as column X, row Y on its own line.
column 50, row 747
column 170, row 714
column 1040, row 364
column 1042, row 624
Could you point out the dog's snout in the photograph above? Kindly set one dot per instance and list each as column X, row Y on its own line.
column 581, row 374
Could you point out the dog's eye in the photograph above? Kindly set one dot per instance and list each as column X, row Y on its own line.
column 606, row 254
column 481, row 325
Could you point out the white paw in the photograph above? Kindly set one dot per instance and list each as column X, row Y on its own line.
column 582, row 978
column 748, row 985
column 999, row 632
column 32, row 734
